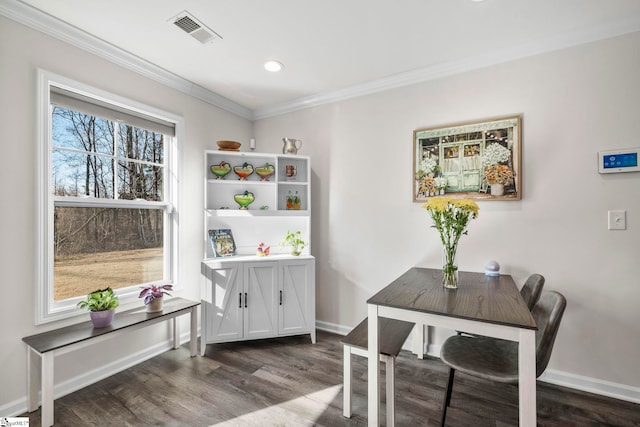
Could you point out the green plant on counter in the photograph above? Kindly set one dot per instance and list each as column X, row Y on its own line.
column 100, row 300
column 294, row 241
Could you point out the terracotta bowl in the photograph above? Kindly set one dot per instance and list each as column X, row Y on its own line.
column 228, row 145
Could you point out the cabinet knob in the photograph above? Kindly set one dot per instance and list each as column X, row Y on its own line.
column 245, row 300
column 240, row 300
column 280, row 297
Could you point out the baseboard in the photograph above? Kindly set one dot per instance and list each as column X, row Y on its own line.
column 592, row 385
column 564, row 379
column 19, row 406
column 332, row 327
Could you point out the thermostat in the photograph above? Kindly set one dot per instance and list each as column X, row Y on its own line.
column 613, row 161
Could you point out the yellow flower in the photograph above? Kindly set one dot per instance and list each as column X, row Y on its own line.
column 467, row 205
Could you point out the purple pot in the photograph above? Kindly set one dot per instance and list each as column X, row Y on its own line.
column 101, row 319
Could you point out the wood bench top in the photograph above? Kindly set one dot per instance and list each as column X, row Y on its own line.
column 392, row 332
column 68, row 335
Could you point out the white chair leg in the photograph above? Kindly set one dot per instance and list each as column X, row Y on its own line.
column 347, row 377
column 390, row 387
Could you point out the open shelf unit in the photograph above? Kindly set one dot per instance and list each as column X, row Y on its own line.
column 270, row 216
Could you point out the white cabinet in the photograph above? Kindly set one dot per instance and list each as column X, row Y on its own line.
column 296, row 305
column 248, row 296
column 264, row 297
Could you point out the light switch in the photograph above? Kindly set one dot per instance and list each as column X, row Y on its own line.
column 617, row 220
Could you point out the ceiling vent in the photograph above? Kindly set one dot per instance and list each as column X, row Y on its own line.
column 196, row 29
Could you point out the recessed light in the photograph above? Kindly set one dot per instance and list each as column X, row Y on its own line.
column 273, row 66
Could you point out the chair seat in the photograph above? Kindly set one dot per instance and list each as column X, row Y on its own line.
column 488, row 358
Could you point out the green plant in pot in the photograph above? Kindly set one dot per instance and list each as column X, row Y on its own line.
column 294, row 241
column 101, row 305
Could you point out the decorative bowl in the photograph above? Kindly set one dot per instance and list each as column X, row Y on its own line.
column 220, row 170
column 244, row 199
column 228, row 145
column 243, row 171
column 265, row 171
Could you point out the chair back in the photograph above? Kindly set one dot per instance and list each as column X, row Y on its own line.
column 532, row 289
column 547, row 314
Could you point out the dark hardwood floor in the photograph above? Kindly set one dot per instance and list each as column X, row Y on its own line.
column 291, row 382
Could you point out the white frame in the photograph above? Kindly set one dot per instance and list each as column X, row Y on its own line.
column 46, row 309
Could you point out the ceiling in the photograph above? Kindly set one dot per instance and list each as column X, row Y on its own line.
column 333, row 48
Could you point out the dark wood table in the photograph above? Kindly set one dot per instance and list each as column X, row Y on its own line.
column 490, row 306
column 45, row 346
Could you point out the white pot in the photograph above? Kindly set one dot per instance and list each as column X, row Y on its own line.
column 497, row 189
column 155, row 305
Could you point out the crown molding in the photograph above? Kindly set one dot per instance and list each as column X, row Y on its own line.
column 47, row 24
column 40, row 21
column 566, row 40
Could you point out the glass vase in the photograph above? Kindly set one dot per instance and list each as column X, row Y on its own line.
column 449, row 269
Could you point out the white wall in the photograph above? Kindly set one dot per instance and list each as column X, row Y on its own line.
column 367, row 231
column 22, row 52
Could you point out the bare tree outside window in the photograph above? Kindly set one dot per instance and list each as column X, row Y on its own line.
column 95, row 247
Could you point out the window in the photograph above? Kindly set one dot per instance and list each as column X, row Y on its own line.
column 108, row 214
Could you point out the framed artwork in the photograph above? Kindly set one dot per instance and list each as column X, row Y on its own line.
column 478, row 160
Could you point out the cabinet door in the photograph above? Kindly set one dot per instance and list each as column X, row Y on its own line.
column 296, row 309
column 223, row 314
column 260, row 302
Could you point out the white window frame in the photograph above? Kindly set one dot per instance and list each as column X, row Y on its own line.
column 48, row 310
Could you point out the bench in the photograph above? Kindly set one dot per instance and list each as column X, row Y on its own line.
column 392, row 335
column 45, row 346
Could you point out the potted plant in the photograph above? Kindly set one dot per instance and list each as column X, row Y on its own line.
column 153, row 296
column 295, row 242
column 101, row 305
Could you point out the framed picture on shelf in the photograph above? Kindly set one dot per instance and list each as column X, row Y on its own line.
column 222, row 242
column 478, row 160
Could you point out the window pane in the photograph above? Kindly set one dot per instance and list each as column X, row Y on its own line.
column 140, row 144
column 79, row 131
column 79, row 174
column 95, row 248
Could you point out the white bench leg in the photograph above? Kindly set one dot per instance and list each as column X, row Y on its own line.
column 347, row 377
column 390, row 363
column 34, row 373
column 46, row 411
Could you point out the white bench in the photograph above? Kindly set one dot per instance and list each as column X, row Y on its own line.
column 392, row 335
column 45, row 346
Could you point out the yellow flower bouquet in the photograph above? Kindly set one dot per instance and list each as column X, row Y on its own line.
column 451, row 217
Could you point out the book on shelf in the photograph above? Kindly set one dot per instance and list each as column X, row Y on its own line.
column 222, row 242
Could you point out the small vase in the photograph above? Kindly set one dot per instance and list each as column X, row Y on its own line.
column 155, row 305
column 102, row 319
column 449, row 269
column 497, row 189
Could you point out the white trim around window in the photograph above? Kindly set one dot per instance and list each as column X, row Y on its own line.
column 47, row 309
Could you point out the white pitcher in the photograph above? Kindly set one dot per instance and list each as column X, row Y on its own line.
column 291, row 145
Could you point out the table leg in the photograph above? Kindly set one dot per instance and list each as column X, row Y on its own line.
column 374, row 367
column 527, row 377
column 176, row 333
column 193, row 343
column 47, row 389
column 33, row 378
